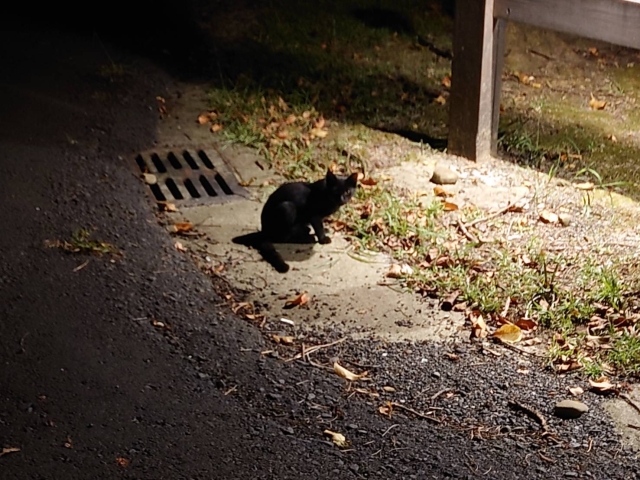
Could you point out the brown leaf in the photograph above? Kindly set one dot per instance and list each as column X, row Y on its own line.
column 527, row 324
column 167, row 206
column 548, row 217
column 182, row 227
column 287, row 340
column 179, row 247
column 441, row 100
column 389, row 389
column 613, row 138
column 446, row 82
column 596, row 104
column 318, row 132
column 123, row 462
column 347, row 374
column 508, row 333
column 453, row 357
column 207, row 117
column 450, row 207
column 282, row 104
column 298, row 301
column 319, row 123
column 386, row 409
column 368, row 181
column 438, row 191
column 216, row 127
column 593, row 51
column 399, row 271
column 479, row 327
column 602, row 385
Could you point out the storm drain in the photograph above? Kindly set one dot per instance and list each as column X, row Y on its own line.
column 190, row 177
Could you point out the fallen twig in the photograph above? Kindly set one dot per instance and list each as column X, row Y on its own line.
column 443, row 391
column 516, row 349
column 463, row 228
column 633, row 404
column 531, row 412
column 415, row 412
column 306, row 351
column 390, row 428
column 489, row 217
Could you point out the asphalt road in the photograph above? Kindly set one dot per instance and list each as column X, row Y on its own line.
column 90, row 389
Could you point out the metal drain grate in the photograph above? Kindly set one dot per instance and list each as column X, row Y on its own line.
column 190, row 177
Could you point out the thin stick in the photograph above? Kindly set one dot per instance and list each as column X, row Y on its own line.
column 390, row 428
column 444, row 390
column 315, row 348
column 531, row 412
column 489, row 217
column 465, row 232
column 633, row 404
column 415, row 412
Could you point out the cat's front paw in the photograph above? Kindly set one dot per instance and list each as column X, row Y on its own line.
column 324, row 240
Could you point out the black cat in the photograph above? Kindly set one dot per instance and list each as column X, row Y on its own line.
column 292, row 208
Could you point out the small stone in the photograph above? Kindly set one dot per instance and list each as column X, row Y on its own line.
column 287, row 430
column 570, row 409
column 443, row 175
column 354, row 467
column 565, row 219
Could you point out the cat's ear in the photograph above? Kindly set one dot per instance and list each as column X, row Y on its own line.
column 331, row 177
column 352, row 180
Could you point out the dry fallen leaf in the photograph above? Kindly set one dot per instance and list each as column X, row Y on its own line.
column 167, row 206
column 613, row 138
column 389, row 389
column 368, row 181
column 287, row 340
column 179, row 247
column 337, row 438
column 576, row 391
column 150, row 178
column 347, row 374
column 446, row 82
column 523, row 371
column 450, row 207
column 318, row 132
column 438, row 191
column 441, row 100
column 298, row 301
column 593, row 51
column 596, row 104
column 527, row 324
column 6, row 450
column 386, row 409
column 453, row 357
column 602, row 385
column 216, row 127
column 123, row 462
column 479, row 327
column 398, row 271
column 207, row 117
column 182, row 227
column 508, row 333
column 549, row 217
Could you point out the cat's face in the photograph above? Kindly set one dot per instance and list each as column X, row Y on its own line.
column 341, row 188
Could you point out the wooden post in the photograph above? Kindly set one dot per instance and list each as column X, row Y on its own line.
column 472, row 87
column 499, row 31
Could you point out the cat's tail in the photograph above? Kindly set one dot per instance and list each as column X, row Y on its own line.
column 268, row 251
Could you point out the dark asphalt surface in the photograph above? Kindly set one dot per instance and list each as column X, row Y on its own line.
column 86, row 379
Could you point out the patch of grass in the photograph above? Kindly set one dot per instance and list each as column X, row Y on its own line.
column 81, row 243
column 625, row 354
column 112, row 71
